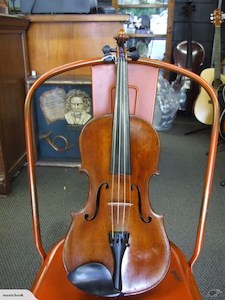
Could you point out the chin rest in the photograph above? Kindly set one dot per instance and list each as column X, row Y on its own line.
column 95, row 279
column 52, row 282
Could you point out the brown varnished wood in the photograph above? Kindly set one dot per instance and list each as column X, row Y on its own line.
column 81, row 36
column 118, row 229
column 178, row 283
column 13, row 71
column 88, row 241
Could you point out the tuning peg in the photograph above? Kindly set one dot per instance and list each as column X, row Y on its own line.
column 107, row 50
column 132, row 49
column 134, row 55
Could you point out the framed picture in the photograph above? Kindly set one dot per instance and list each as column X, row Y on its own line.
column 61, row 109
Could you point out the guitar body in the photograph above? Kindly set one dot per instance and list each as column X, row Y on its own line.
column 203, row 109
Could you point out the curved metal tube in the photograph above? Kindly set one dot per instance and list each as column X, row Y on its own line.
column 29, row 135
column 52, row 141
column 154, row 63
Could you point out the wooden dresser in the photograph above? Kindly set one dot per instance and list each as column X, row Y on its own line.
column 13, row 71
column 54, row 40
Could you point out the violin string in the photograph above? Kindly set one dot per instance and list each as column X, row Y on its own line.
column 129, row 174
column 125, row 140
column 119, row 148
column 120, row 136
column 115, row 125
column 112, row 197
column 127, row 177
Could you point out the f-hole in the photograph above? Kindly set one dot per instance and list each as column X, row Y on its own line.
column 149, row 219
column 87, row 217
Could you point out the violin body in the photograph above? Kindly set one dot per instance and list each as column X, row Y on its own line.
column 188, row 54
column 180, row 54
column 146, row 257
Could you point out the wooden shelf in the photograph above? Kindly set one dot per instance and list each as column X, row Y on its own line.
column 143, row 6
column 64, row 18
column 147, row 35
column 167, row 36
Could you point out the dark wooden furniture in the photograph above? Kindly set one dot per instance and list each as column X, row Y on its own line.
column 13, row 71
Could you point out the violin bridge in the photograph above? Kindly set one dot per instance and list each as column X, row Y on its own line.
column 128, row 204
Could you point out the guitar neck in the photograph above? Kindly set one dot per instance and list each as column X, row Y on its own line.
column 217, row 57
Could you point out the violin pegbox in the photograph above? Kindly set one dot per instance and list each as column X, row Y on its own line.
column 121, row 39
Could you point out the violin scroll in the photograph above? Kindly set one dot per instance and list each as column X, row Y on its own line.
column 121, row 39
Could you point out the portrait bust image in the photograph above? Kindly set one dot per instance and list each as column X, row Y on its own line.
column 77, row 107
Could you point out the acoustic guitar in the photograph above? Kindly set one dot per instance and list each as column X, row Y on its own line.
column 203, row 108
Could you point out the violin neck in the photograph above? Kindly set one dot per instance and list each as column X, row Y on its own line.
column 189, row 8
column 189, row 45
column 120, row 153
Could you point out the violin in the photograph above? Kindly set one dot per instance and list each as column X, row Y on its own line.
column 117, row 244
column 188, row 54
